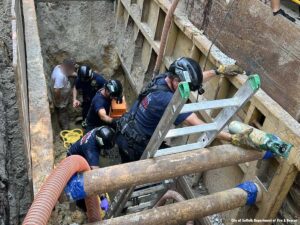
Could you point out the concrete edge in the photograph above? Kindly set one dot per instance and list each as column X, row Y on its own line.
column 41, row 136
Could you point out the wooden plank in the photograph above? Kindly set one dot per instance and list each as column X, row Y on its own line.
column 171, row 40
column 120, row 12
column 153, row 16
column 42, row 155
column 146, row 53
column 280, row 186
column 160, row 24
column 143, row 27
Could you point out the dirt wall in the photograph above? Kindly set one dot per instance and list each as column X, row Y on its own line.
column 80, row 29
column 15, row 191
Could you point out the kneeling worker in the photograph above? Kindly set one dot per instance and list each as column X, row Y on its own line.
column 134, row 129
column 89, row 147
column 98, row 114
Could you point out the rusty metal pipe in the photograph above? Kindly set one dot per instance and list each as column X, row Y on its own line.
column 181, row 212
column 170, row 194
column 164, row 35
column 157, row 169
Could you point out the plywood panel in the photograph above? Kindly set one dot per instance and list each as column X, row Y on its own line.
column 146, row 53
column 153, row 16
column 171, row 40
column 183, row 46
column 160, row 24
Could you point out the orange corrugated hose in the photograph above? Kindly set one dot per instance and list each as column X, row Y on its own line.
column 45, row 200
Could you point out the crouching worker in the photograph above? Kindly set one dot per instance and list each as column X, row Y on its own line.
column 98, row 114
column 134, row 129
column 89, row 147
column 89, row 82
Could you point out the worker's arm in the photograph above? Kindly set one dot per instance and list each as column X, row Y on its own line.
column 227, row 70
column 208, row 74
column 76, row 103
column 104, row 117
column 193, row 120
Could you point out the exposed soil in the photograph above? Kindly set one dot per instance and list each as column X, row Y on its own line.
column 90, row 41
column 15, row 190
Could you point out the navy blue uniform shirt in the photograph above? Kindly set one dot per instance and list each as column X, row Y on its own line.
column 90, row 88
column 87, row 148
column 98, row 102
column 152, row 108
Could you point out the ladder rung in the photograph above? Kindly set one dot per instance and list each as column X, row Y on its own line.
column 140, row 207
column 144, row 186
column 215, row 104
column 191, row 130
column 178, row 149
column 148, row 191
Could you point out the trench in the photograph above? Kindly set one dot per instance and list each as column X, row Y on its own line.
column 91, row 41
column 84, row 30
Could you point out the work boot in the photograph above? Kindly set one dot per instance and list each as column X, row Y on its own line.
column 283, row 13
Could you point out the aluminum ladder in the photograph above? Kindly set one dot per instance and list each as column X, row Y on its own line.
column 208, row 131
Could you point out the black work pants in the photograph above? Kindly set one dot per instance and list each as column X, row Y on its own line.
column 133, row 151
column 129, row 152
column 63, row 117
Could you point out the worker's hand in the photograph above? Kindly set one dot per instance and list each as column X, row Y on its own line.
column 229, row 70
column 243, row 139
column 104, row 203
column 76, row 103
column 114, row 123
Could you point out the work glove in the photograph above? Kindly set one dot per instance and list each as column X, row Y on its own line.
column 104, row 203
column 229, row 70
column 243, row 139
column 119, row 100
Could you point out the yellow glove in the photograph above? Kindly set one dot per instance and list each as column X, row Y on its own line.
column 243, row 139
column 229, row 70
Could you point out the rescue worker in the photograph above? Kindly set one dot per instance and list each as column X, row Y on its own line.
column 98, row 114
column 61, row 90
column 136, row 127
column 89, row 82
column 275, row 5
column 90, row 147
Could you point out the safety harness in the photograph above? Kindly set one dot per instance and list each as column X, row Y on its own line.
column 127, row 126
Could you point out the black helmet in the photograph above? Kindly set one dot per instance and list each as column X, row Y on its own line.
column 187, row 69
column 114, row 88
column 105, row 137
column 85, row 73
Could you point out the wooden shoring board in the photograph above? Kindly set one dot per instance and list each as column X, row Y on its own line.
column 277, row 120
